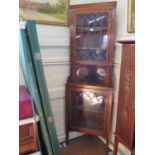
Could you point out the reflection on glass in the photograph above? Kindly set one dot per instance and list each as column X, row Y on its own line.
column 87, row 109
column 101, row 73
column 91, row 74
column 105, row 42
column 82, row 73
column 91, row 36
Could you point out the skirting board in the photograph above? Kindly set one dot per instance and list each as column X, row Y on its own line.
column 111, row 146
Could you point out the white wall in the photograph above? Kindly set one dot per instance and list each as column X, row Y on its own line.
column 54, row 46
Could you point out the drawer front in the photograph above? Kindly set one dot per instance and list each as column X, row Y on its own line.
column 27, row 138
column 28, row 148
column 27, row 132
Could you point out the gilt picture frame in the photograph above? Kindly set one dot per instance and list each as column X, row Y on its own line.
column 53, row 12
column 131, row 16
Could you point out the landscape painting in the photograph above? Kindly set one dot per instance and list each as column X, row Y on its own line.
column 131, row 16
column 45, row 11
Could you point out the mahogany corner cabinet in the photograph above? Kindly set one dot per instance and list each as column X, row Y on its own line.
column 89, row 85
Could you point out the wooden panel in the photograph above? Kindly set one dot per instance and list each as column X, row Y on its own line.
column 126, row 111
column 28, row 148
column 27, row 138
column 91, row 112
column 26, row 132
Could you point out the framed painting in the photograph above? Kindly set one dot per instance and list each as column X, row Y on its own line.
column 53, row 12
column 131, row 16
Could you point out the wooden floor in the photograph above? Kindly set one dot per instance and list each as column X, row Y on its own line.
column 85, row 145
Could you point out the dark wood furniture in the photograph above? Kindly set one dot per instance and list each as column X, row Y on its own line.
column 89, row 86
column 125, row 123
column 28, row 138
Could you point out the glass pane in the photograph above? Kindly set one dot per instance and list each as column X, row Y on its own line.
column 92, row 74
column 87, row 110
column 101, row 73
column 82, row 73
column 91, row 36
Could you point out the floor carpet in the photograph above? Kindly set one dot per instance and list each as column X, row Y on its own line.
column 85, row 145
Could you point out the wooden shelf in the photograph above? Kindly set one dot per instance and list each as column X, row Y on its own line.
column 82, row 108
column 28, row 138
column 90, row 48
column 92, row 29
column 29, row 120
column 89, row 124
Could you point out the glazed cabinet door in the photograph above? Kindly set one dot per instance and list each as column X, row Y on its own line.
column 91, row 38
column 89, row 109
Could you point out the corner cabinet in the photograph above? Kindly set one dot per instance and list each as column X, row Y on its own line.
column 125, row 123
column 89, row 86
